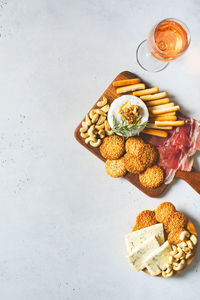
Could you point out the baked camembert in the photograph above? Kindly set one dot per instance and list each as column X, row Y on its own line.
column 128, row 116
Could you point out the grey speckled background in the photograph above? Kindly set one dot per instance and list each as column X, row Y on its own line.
column 62, row 219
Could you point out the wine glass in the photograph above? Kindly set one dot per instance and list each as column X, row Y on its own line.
column 165, row 42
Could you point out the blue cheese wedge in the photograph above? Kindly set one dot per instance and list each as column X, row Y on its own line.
column 157, row 261
column 138, row 254
column 152, row 268
column 136, row 238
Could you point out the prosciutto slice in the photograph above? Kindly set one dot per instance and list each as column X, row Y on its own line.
column 177, row 150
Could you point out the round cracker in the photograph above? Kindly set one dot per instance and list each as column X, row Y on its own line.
column 133, row 163
column 152, row 177
column 113, row 147
column 174, row 221
column 145, row 218
column 115, row 168
column 134, row 145
column 163, row 210
column 148, row 155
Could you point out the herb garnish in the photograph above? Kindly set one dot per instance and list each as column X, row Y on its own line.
column 124, row 129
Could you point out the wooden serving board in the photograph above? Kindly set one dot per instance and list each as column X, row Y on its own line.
column 193, row 178
column 191, row 228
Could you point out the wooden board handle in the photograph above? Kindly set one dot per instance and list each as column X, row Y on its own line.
column 192, row 178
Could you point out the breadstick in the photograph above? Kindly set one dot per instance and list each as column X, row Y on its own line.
column 164, row 118
column 156, row 132
column 153, row 125
column 157, row 102
column 130, row 88
column 161, row 106
column 154, row 97
column 146, row 92
column 169, row 123
column 164, row 115
column 126, row 82
column 164, row 110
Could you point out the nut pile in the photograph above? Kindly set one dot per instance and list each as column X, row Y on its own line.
column 95, row 126
column 180, row 253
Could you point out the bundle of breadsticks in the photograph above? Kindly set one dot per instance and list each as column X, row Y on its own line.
column 162, row 112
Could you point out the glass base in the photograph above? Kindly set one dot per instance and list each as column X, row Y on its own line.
column 147, row 61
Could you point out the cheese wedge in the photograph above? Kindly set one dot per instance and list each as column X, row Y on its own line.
column 153, row 269
column 136, row 238
column 138, row 254
column 158, row 259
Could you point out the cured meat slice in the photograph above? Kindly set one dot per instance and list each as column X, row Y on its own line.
column 177, row 149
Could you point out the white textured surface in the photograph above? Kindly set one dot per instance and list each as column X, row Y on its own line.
column 62, row 219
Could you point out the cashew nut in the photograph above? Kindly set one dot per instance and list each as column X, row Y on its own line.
column 183, row 256
column 91, row 131
column 193, row 238
column 188, row 255
column 171, row 259
column 84, row 128
column 178, row 266
column 110, row 132
column 183, row 244
column 95, row 131
column 107, row 125
column 100, row 112
column 175, row 265
column 184, row 234
column 172, row 253
column 189, row 243
column 167, row 274
column 92, row 113
column 167, row 271
column 84, row 135
column 102, row 102
column 95, row 144
column 87, row 120
column 107, row 128
column 168, row 267
column 105, row 108
column 183, row 261
column 179, row 254
column 101, row 120
column 186, row 249
column 99, row 127
column 84, row 124
column 89, row 139
column 101, row 133
column 177, row 260
column 95, row 118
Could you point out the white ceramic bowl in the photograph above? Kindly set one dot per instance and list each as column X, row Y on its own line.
column 117, row 103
